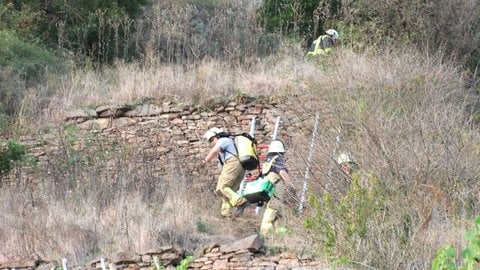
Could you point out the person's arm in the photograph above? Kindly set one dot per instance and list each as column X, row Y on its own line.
column 290, row 196
column 286, row 178
column 212, row 154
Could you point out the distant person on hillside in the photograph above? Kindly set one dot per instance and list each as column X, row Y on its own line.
column 324, row 44
column 275, row 170
column 351, row 169
column 347, row 164
column 231, row 174
column 340, row 181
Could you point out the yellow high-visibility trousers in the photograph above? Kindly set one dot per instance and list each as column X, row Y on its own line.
column 228, row 181
column 268, row 221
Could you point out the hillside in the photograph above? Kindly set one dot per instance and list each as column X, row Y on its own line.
column 159, row 134
column 124, row 176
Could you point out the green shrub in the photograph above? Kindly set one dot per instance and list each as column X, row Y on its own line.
column 293, row 17
column 346, row 219
column 445, row 259
column 97, row 29
column 21, row 65
column 11, row 152
column 28, row 60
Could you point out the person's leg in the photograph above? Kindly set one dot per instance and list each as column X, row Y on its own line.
column 226, row 210
column 230, row 196
column 229, row 180
column 269, row 217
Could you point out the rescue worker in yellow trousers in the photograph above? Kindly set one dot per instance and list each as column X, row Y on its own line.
column 231, row 174
column 324, row 44
column 275, row 170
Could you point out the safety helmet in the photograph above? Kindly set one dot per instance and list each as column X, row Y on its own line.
column 276, row 147
column 212, row 132
column 332, row 33
column 345, row 158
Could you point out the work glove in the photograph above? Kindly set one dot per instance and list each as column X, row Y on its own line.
column 290, row 197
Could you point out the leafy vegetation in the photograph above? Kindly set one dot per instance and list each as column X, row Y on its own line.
column 98, row 29
column 11, row 153
column 342, row 223
column 182, row 266
column 446, row 258
column 23, row 65
column 293, row 17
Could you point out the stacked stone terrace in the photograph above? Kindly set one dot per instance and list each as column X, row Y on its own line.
column 165, row 132
column 243, row 254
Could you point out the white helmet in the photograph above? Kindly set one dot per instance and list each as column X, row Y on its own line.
column 211, row 133
column 276, row 147
column 333, row 34
column 345, row 158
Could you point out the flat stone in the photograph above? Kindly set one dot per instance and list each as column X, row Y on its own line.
column 144, row 110
column 78, row 114
column 252, row 243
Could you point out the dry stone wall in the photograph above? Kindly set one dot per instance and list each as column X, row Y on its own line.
column 168, row 133
column 243, row 254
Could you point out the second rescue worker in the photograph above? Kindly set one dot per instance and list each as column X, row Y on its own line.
column 231, row 175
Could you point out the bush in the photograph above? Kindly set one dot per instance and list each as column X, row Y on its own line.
column 445, row 259
column 11, row 153
column 97, row 29
column 182, row 33
column 22, row 65
column 448, row 25
column 339, row 224
column 28, row 60
column 299, row 18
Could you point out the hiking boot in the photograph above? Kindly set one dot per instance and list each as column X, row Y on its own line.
column 226, row 216
column 239, row 209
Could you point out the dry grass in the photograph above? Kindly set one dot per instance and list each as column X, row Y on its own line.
column 203, row 82
column 79, row 226
column 400, row 113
